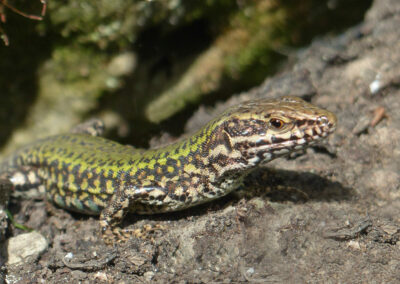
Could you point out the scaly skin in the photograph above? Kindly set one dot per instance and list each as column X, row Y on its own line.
column 93, row 175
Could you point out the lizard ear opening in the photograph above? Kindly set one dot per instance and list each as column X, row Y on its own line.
column 225, row 138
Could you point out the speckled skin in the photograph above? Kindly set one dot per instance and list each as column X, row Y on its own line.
column 86, row 173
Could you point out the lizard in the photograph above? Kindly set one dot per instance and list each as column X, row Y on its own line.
column 84, row 172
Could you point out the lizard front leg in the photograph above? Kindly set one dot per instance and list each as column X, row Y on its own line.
column 120, row 203
column 112, row 216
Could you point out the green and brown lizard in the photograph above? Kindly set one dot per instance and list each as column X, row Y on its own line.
column 93, row 175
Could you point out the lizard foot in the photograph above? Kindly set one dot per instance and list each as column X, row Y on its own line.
column 119, row 235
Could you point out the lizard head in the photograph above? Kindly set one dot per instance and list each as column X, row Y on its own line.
column 261, row 130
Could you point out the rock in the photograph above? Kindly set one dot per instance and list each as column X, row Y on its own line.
column 25, row 247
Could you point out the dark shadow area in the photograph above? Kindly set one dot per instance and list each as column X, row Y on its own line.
column 283, row 185
column 19, row 65
column 325, row 17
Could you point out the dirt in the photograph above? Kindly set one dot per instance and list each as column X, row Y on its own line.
column 330, row 215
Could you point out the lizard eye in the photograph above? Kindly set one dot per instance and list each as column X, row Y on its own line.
column 276, row 123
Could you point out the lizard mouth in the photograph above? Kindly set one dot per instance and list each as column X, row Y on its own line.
column 313, row 131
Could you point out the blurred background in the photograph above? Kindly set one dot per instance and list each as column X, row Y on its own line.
column 145, row 66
